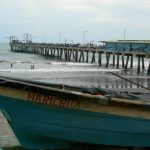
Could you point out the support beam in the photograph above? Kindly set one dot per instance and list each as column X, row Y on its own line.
column 131, row 65
column 148, row 70
column 93, row 57
column 127, row 60
column 118, row 55
column 138, row 67
column 107, row 59
column 100, row 58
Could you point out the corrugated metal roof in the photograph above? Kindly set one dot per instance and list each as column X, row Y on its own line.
column 129, row 41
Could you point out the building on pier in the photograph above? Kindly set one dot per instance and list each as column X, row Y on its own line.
column 127, row 45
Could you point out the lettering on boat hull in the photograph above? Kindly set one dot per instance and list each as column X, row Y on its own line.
column 53, row 100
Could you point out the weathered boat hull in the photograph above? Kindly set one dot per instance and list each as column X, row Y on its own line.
column 38, row 126
column 43, row 117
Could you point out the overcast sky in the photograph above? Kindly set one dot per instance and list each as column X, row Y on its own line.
column 102, row 19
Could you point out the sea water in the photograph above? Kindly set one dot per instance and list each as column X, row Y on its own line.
column 19, row 65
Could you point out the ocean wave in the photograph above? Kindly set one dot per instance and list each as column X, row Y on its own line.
column 73, row 64
column 62, row 63
column 4, row 61
column 28, row 62
column 62, row 70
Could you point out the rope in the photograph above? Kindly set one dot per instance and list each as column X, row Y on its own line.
column 129, row 80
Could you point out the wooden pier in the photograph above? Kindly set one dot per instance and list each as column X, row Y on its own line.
column 75, row 53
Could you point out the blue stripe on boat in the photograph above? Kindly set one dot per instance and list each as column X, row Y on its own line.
column 40, row 126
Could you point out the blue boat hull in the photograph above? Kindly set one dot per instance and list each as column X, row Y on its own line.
column 39, row 126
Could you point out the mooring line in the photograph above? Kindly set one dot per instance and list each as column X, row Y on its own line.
column 128, row 80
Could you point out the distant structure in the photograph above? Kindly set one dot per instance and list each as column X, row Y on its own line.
column 13, row 39
column 27, row 38
column 127, row 45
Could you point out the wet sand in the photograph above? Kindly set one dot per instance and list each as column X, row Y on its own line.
column 7, row 137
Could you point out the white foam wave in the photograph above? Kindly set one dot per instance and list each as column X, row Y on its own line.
column 73, row 64
column 135, row 64
column 28, row 62
column 61, row 70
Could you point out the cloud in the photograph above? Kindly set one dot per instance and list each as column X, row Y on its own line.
column 72, row 17
column 76, row 6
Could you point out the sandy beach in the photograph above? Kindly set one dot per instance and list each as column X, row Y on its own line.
column 7, row 137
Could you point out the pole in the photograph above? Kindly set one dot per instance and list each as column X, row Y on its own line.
column 84, row 32
column 59, row 36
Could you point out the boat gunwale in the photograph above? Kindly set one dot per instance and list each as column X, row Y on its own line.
column 100, row 99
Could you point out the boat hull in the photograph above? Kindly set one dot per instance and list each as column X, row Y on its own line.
column 39, row 126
